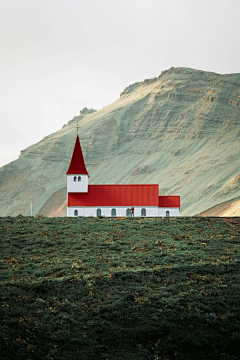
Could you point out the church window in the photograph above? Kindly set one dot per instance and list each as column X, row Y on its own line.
column 79, row 178
column 113, row 212
column 99, row 212
column 167, row 213
column 74, row 178
column 75, row 212
column 143, row 212
column 128, row 212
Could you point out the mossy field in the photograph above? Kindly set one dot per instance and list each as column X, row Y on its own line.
column 129, row 288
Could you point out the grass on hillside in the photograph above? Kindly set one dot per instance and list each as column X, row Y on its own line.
column 105, row 288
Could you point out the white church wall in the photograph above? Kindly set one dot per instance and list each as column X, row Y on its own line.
column 77, row 186
column 107, row 211
column 172, row 211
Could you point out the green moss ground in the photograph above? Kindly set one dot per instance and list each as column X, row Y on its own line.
column 99, row 288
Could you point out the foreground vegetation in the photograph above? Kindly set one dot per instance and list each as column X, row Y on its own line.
column 99, row 288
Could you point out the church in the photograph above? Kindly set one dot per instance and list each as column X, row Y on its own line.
column 113, row 200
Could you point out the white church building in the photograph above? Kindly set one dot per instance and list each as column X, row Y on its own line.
column 113, row 200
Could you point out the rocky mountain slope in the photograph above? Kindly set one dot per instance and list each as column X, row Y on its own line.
column 180, row 130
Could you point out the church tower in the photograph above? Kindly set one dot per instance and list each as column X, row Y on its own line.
column 77, row 175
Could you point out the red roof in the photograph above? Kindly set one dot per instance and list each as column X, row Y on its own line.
column 169, row 201
column 77, row 165
column 116, row 195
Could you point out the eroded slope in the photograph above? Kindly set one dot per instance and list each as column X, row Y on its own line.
column 180, row 130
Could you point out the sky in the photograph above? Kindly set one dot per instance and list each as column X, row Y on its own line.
column 59, row 56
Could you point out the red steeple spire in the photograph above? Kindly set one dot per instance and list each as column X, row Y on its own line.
column 77, row 165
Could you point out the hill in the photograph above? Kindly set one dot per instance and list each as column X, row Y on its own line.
column 180, row 130
column 98, row 288
column 227, row 208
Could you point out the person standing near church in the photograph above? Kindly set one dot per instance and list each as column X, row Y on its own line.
column 132, row 211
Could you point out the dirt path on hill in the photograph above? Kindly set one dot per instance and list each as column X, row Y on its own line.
column 234, row 221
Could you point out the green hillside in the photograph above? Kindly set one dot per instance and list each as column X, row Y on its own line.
column 179, row 130
column 99, row 288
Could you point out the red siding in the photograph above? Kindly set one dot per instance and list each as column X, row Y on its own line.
column 116, row 195
column 77, row 165
column 169, row 201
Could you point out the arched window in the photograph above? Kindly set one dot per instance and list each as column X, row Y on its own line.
column 128, row 212
column 143, row 212
column 75, row 212
column 99, row 212
column 167, row 213
column 74, row 178
column 113, row 212
column 79, row 178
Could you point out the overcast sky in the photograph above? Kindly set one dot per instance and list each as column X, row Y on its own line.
column 58, row 56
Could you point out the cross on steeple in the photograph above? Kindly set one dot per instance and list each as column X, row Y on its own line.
column 77, row 128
